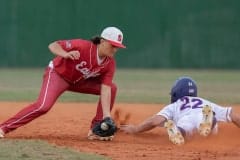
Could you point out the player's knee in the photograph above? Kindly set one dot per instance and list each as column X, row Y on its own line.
column 42, row 108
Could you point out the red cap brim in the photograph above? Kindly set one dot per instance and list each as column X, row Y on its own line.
column 116, row 44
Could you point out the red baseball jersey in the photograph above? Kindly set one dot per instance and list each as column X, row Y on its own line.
column 86, row 66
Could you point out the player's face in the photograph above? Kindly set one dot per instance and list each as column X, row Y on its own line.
column 107, row 49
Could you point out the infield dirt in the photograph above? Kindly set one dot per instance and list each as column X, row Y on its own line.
column 67, row 124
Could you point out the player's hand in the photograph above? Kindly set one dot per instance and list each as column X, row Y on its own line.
column 130, row 129
column 105, row 128
column 74, row 55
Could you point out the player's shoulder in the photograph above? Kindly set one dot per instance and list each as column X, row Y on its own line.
column 84, row 44
column 81, row 41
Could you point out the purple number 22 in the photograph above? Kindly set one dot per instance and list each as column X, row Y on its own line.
column 196, row 103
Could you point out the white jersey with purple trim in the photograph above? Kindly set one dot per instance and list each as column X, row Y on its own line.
column 187, row 112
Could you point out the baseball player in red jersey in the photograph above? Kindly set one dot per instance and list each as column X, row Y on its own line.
column 84, row 66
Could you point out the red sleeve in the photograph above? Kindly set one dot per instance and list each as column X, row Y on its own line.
column 108, row 76
column 68, row 45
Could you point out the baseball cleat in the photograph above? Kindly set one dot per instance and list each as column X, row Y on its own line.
column 92, row 136
column 175, row 136
column 205, row 126
column 1, row 133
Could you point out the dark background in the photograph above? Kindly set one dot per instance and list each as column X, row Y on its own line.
column 157, row 33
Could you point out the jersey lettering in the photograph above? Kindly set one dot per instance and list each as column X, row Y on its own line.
column 87, row 73
column 196, row 103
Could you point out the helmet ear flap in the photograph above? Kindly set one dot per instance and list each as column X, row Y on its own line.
column 174, row 94
column 173, row 97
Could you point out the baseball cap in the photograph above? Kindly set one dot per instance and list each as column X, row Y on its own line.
column 183, row 86
column 114, row 36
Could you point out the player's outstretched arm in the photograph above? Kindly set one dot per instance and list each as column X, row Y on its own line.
column 146, row 125
column 235, row 117
column 105, row 99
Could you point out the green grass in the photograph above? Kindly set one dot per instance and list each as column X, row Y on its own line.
column 40, row 150
column 153, row 86
column 134, row 86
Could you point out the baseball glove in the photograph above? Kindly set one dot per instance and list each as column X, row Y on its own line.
column 108, row 130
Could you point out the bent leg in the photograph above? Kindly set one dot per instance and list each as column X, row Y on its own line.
column 175, row 133
column 188, row 125
column 93, row 86
column 208, row 121
column 52, row 87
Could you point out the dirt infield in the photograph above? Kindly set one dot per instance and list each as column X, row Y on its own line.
column 67, row 124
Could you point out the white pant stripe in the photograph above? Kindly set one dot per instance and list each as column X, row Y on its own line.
column 41, row 106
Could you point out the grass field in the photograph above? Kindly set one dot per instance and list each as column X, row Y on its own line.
column 39, row 150
column 134, row 86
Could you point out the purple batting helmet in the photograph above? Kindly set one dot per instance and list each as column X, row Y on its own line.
column 183, row 86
